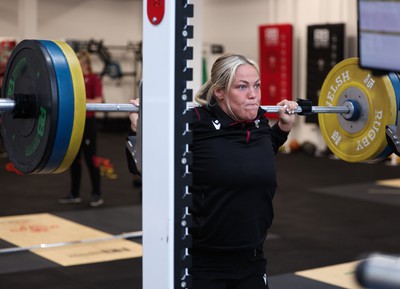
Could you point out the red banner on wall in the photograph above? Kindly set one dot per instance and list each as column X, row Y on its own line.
column 276, row 63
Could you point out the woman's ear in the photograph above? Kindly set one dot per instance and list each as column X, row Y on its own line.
column 219, row 93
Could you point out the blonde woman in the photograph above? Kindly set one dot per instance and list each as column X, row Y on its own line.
column 234, row 176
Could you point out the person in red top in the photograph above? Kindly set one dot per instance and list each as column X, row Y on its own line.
column 94, row 94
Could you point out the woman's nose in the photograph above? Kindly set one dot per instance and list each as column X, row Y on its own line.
column 253, row 92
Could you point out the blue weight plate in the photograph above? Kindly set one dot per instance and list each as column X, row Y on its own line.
column 79, row 104
column 394, row 79
column 29, row 140
column 65, row 106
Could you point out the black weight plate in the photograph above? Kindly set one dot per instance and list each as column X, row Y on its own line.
column 29, row 141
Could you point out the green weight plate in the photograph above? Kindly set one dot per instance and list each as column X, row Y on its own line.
column 29, row 141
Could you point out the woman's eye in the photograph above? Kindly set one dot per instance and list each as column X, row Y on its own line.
column 242, row 87
column 257, row 86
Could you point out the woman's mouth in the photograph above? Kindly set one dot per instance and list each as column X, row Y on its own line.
column 252, row 105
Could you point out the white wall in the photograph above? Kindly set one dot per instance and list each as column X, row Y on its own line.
column 232, row 23
column 116, row 22
column 8, row 18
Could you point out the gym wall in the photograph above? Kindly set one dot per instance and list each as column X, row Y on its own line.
column 234, row 24
column 231, row 23
column 116, row 22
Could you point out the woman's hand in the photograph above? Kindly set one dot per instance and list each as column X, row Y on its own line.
column 286, row 114
column 133, row 116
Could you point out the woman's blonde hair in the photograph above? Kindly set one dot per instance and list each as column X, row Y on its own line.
column 222, row 75
column 84, row 55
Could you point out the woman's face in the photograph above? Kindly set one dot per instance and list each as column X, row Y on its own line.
column 84, row 65
column 243, row 96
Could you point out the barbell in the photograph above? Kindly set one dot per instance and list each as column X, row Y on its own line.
column 43, row 108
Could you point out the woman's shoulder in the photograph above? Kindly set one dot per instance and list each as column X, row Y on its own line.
column 202, row 112
column 92, row 76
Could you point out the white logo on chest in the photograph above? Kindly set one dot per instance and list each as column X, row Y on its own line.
column 216, row 124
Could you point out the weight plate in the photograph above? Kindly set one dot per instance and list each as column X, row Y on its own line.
column 65, row 106
column 79, row 106
column 396, row 86
column 29, row 141
column 395, row 80
column 378, row 108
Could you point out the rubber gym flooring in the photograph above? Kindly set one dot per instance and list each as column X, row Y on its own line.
column 328, row 215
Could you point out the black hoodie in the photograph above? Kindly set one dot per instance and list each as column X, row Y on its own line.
column 234, row 179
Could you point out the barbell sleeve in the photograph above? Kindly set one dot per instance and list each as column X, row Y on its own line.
column 8, row 104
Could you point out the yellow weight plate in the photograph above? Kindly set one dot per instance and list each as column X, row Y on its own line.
column 362, row 139
column 79, row 105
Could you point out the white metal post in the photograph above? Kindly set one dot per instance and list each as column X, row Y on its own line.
column 165, row 156
column 158, row 148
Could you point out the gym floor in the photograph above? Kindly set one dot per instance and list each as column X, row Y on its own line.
column 328, row 215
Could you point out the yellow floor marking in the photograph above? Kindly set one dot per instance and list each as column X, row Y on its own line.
column 390, row 183
column 34, row 229
column 341, row 275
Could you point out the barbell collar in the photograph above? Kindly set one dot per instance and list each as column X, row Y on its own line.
column 355, row 110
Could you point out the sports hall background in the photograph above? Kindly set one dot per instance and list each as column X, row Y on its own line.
column 328, row 213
